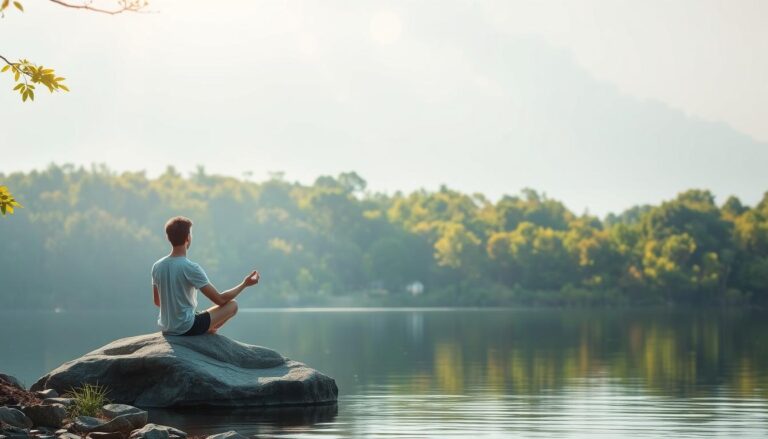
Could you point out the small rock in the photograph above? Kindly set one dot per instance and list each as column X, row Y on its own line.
column 126, row 423
column 45, row 436
column 231, row 434
column 105, row 435
column 49, row 415
column 60, row 431
column 47, row 393
column 154, row 431
column 66, row 402
column 12, row 381
column 113, row 410
column 12, row 432
column 69, row 436
column 87, row 424
column 14, row 417
column 135, row 416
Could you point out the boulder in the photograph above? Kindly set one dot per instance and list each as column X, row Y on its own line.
column 231, row 434
column 48, row 415
column 155, row 370
column 15, row 418
column 154, row 431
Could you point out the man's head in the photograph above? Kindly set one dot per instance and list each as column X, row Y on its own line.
column 178, row 230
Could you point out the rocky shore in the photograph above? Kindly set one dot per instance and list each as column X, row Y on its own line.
column 154, row 370
column 44, row 415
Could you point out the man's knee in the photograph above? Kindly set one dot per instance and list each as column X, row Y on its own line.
column 233, row 306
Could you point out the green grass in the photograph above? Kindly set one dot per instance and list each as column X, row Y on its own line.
column 88, row 400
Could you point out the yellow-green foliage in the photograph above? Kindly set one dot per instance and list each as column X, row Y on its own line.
column 7, row 202
column 26, row 75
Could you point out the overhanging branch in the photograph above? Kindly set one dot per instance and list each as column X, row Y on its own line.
column 127, row 6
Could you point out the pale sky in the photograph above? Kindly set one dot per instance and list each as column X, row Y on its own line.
column 601, row 104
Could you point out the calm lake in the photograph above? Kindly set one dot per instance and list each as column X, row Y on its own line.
column 459, row 372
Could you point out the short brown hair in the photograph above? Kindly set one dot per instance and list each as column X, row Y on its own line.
column 177, row 229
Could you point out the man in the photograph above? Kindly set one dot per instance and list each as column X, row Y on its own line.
column 174, row 280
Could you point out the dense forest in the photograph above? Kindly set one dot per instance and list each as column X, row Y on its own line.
column 88, row 237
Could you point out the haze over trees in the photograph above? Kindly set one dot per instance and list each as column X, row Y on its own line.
column 87, row 238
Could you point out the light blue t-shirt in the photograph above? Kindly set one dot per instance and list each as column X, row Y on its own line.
column 177, row 278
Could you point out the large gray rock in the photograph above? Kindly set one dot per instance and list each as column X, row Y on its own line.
column 164, row 371
column 14, row 418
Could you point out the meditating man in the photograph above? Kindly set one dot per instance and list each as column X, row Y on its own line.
column 174, row 280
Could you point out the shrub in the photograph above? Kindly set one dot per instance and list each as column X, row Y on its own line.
column 88, row 400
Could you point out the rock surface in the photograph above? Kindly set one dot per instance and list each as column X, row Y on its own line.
column 154, row 431
column 47, row 393
column 14, row 418
column 155, row 370
column 48, row 415
column 232, row 434
column 12, row 381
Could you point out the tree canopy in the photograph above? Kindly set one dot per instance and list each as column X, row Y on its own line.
column 88, row 237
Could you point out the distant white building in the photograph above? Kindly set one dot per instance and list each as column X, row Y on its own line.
column 415, row 288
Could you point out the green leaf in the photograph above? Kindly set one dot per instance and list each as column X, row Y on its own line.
column 5, row 69
column 18, row 6
column 5, row 4
column 18, row 86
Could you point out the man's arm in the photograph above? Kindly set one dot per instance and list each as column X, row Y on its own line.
column 222, row 298
column 156, row 295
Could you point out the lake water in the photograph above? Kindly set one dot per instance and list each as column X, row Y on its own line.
column 458, row 373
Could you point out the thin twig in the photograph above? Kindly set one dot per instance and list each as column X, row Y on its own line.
column 126, row 7
column 6, row 60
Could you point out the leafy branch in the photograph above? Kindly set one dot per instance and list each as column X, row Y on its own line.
column 7, row 202
column 25, row 74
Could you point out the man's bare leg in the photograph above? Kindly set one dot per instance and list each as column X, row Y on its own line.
column 220, row 315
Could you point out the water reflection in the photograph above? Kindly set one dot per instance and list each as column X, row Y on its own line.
column 247, row 420
column 460, row 372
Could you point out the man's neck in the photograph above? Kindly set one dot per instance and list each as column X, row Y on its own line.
column 180, row 250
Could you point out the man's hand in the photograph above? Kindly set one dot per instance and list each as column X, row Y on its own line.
column 252, row 279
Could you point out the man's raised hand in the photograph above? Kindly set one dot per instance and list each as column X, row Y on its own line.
column 252, row 279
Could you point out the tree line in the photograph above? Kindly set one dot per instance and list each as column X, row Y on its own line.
column 88, row 237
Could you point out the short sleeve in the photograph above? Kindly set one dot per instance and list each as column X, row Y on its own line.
column 154, row 282
column 195, row 275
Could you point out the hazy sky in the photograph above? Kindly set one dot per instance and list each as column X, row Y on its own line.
column 602, row 104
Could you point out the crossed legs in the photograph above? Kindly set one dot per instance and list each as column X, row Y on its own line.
column 220, row 315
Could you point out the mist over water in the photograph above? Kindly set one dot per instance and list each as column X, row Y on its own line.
column 482, row 372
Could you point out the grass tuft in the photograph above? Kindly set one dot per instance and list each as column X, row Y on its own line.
column 88, row 400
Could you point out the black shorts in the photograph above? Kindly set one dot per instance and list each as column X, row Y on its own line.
column 201, row 325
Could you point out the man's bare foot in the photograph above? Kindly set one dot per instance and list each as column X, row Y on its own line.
column 212, row 330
